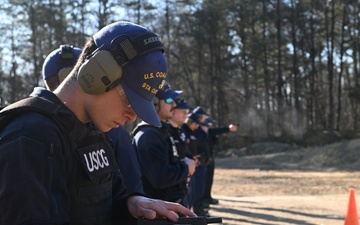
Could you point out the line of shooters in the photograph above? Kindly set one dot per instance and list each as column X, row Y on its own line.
column 66, row 159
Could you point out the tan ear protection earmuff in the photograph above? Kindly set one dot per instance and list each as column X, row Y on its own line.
column 98, row 72
column 102, row 69
column 66, row 59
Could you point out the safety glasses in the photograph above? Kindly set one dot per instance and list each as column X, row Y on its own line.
column 169, row 100
column 124, row 97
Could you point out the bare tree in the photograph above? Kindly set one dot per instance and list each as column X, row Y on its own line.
column 330, row 36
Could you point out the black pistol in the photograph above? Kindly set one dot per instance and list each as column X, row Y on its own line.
column 200, row 220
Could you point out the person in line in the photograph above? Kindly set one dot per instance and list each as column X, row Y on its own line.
column 164, row 172
column 213, row 135
column 57, row 65
column 191, row 124
column 202, row 156
column 179, row 117
column 66, row 170
column 126, row 159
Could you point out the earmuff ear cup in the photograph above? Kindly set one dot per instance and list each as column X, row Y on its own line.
column 63, row 73
column 99, row 72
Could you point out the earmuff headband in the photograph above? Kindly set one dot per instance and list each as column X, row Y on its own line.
column 129, row 49
column 67, row 61
column 67, row 55
column 103, row 69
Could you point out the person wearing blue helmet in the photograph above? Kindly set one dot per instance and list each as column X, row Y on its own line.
column 66, row 170
column 58, row 64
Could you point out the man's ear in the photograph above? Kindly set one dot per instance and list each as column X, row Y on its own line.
column 156, row 102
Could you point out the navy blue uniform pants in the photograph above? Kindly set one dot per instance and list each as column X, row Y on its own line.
column 197, row 184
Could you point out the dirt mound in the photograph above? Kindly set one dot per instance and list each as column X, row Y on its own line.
column 343, row 155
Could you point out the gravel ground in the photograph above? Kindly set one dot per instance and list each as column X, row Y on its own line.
column 297, row 186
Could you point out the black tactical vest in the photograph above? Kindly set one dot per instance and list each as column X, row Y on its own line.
column 90, row 160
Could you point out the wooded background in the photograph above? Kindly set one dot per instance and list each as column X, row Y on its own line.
column 277, row 68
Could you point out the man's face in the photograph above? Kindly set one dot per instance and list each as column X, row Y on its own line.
column 110, row 109
column 179, row 116
column 166, row 110
column 193, row 126
column 202, row 118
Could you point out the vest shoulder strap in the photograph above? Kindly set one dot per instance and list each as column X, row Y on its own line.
column 62, row 116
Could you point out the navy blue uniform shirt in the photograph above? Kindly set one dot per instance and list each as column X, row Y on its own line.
column 126, row 159
column 164, row 174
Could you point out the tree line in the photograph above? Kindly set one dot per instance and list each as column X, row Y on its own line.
column 274, row 67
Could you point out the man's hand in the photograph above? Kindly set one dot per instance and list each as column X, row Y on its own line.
column 233, row 127
column 197, row 159
column 148, row 208
column 191, row 165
